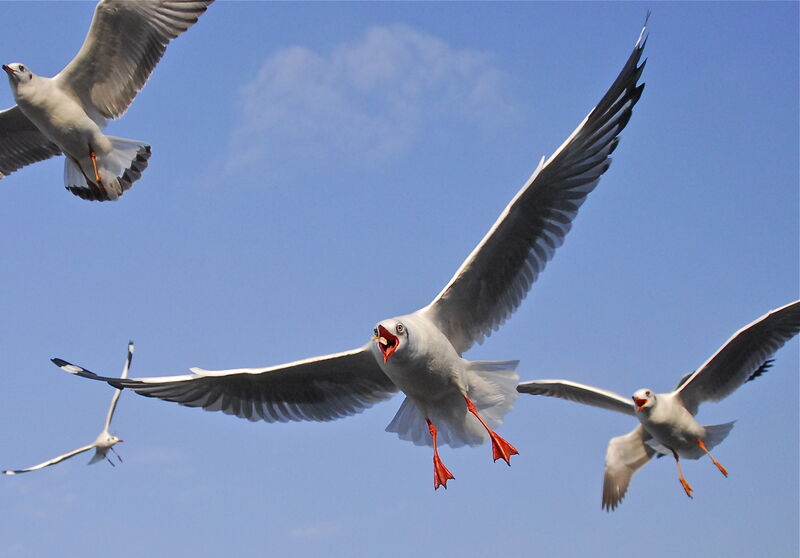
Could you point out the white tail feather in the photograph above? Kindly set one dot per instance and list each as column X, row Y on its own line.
column 492, row 387
column 118, row 169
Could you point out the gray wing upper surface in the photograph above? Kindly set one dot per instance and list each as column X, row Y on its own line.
column 316, row 389
column 125, row 42
column 740, row 357
column 21, row 143
column 497, row 275
column 580, row 393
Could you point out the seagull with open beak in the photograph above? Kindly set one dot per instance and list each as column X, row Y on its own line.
column 667, row 423
column 449, row 399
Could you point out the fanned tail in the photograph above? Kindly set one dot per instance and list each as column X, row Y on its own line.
column 716, row 433
column 118, row 170
column 492, row 387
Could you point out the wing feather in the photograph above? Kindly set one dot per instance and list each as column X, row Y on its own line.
column 494, row 279
column 625, row 455
column 741, row 357
column 319, row 389
column 53, row 461
column 21, row 142
column 115, row 397
column 580, row 393
column 125, row 42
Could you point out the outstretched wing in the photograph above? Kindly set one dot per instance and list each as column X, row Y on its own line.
column 53, row 461
column 318, row 389
column 741, row 358
column 625, row 455
column 125, row 42
column 115, row 397
column 580, row 393
column 21, row 142
column 497, row 275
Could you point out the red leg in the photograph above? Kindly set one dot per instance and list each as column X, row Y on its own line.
column 500, row 448
column 93, row 157
column 717, row 463
column 440, row 473
column 686, row 486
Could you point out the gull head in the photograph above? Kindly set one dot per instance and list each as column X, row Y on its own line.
column 17, row 73
column 106, row 440
column 644, row 399
column 389, row 337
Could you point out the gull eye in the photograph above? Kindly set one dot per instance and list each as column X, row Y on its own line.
column 375, row 332
column 400, row 328
column 21, row 68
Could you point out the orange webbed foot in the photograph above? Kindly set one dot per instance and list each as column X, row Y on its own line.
column 502, row 449
column 441, row 474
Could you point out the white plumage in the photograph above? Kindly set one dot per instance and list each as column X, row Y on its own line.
column 104, row 442
column 448, row 398
column 66, row 113
column 667, row 424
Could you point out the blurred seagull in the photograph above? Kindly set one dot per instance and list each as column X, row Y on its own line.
column 104, row 441
column 65, row 113
column 448, row 398
column 668, row 426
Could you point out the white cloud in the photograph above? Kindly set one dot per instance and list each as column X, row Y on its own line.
column 366, row 101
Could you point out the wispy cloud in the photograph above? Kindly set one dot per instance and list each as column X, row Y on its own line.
column 365, row 101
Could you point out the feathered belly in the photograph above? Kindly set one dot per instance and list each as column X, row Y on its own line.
column 65, row 123
column 425, row 383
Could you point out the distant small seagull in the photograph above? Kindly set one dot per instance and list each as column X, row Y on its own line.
column 66, row 113
column 668, row 426
column 104, row 441
column 448, row 399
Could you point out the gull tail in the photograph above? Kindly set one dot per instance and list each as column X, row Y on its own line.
column 98, row 456
column 716, row 433
column 118, row 169
column 492, row 387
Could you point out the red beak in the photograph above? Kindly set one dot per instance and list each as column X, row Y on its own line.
column 8, row 69
column 387, row 343
column 640, row 403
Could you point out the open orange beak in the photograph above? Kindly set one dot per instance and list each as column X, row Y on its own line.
column 640, row 403
column 8, row 69
column 387, row 343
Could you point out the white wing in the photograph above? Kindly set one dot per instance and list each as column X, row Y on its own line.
column 741, row 357
column 21, row 143
column 318, row 389
column 580, row 393
column 115, row 397
column 496, row 276
column 625, row 455
column 53, row 461
column 125, row 41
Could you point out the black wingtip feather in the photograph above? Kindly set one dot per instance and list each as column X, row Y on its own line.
column 761, row 369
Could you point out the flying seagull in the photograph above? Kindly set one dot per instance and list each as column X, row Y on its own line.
column 66, row 113
column 104, row 441
column 667, row 424
column 449, row 399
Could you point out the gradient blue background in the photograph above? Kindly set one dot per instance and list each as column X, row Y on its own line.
column 318, row 167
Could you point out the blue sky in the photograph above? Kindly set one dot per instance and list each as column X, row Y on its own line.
column 318, row 167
